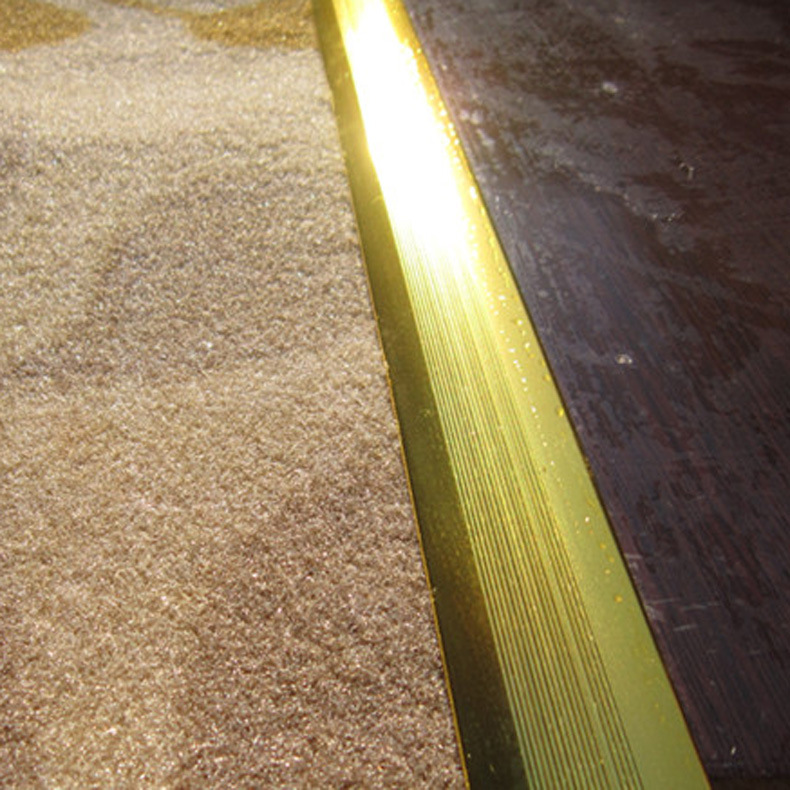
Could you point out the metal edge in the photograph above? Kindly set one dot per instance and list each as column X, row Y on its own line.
column 492, row 750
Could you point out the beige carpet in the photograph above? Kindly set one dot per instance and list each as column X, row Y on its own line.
column 209, row 572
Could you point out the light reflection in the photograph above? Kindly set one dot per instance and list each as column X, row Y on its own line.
column 410, row 146
column 519, row 476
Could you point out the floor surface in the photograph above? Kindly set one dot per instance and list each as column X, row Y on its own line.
column 635, row 159
column 209, row 570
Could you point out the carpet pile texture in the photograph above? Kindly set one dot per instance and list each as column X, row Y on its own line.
column 209, row 569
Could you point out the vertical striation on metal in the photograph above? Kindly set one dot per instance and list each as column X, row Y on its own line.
column 554, row 676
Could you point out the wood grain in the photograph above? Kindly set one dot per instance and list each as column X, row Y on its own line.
column 634, row 158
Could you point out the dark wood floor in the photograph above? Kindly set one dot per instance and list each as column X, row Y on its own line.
column 635, row 157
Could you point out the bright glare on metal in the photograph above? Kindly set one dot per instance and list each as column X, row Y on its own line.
column 409, row 143
column 590, row 703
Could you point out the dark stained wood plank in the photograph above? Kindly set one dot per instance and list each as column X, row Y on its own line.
column 635, row 157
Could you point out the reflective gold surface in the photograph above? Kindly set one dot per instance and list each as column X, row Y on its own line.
column 554, row 674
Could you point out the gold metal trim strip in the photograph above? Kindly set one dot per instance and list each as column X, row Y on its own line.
column 554, row 676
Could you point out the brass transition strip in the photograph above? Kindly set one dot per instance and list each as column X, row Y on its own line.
column 554, row 675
